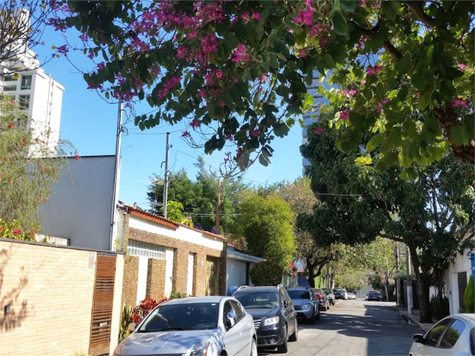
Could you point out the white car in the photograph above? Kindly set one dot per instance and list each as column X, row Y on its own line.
column 195, row 326
column 452, row 335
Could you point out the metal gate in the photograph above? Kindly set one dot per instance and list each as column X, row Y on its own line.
column 99, row 341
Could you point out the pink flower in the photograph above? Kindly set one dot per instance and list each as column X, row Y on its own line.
column 319, row 131
column 185, row 134
column 240, row 54
column 181, row 52
column 462, row 66
column 302, row 53
column 195, row 123
column 17, row 231
column 255, row 132
column 352, row 92
column 459, row 102
column 222, row 104
column 345, row 114
column 305, row 17
column 374, row 70
column 256, row 16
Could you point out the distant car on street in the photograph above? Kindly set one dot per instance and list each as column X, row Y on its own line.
column 452, row 335
column 322, row 297
column 212, row 325
column 306, row 303
column 330, row 295
column 351, row 296
column 340, row 293
column 275, row 318
column 374, row 295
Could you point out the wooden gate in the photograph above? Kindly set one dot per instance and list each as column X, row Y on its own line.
column 99, row 341
column 462, row 284
column 212, row 274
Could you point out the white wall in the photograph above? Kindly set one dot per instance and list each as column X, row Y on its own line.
column 461, row 264
column 235, row 273
column 80, row 207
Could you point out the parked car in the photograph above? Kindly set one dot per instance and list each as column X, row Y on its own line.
column 322, row 297
column 274, row 315
column 306, row 303
column 374, row 295
column 340, row 293
column 452, row 335
column 212, row 325
column 330, row 295
column 351, row 296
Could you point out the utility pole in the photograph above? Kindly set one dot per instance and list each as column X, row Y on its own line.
column 115, row 186
column 398, row 284
column 409, row 281
column 218, row 206
column 165, row 186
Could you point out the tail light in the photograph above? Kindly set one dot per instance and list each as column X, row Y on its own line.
column 319, row 296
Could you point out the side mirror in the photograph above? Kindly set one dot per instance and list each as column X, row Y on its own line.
column 131, row 327
column 419, row 338
column 230, row 322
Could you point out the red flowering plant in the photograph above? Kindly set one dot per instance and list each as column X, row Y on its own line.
column 13, row 230
column 145, row 307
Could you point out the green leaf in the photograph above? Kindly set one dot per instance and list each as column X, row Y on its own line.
column 424, row 100
column 348, row 6
column 281, row 129
column 373, row 142
column 264, row 160
column 460, row 135
column 347, row 146
column 404, row 65
column 470, row 123
column 328, row 61
column 388, row 160
column 339, row 23
column 388, row 10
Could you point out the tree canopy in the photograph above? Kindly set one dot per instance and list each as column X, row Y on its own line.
column 433, row 216
column 240, row 73
column 28, row 168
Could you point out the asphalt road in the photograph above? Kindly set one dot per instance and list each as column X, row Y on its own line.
column 355, row 327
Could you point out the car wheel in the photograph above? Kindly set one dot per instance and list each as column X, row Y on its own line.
column 328, row 306
column 295, row 335
column 282, row 349
column 253, row 348
column 317, row 317
column 311, row 320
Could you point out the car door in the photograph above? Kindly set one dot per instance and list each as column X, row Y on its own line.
column 233, row 333
column 431, row 340
column 245, row 327
column 289, row 310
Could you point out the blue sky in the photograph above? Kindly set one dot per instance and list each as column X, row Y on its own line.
column 89, row 123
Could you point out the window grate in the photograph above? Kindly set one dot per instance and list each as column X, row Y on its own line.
column 143, row 249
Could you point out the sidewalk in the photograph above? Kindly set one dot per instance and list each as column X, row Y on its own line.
column 413, row 318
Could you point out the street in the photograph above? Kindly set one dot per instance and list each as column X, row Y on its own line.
column 354, row 327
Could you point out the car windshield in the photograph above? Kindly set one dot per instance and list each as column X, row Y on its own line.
column 299, row 294
column 258, row 300
column 199, row 316
column 327, row 290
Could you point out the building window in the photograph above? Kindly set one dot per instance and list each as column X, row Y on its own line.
column 26, row 81
column 9, row 88
column 24, row 102
column 9, row 78
column 143, row 249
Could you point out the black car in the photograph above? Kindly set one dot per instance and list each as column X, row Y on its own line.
column 340, row 293
column 374, row 295
column 274, row 315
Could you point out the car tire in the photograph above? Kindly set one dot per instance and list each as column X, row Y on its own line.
column 311, row 320
column 253, row 348
column 317, row 317
column 328, row 306
column 295, row 335
column 282, row 349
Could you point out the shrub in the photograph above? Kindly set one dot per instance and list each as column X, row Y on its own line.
column 469, row 297
column 266, row 273
column 439, row 307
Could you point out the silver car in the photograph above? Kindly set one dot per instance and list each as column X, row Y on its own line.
column 195, row 326
column 306, row 303
column 452, row 335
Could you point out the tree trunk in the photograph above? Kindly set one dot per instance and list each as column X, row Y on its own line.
column 423, row 292
column 311, row 274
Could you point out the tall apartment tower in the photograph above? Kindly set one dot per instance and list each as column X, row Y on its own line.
column 36, row 92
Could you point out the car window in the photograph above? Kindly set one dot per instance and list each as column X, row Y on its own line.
column 284, row 296
column 472, row 341
column 228, row 312
column 237, row 310
column 452, row 334
column 258, row 300
column 433, row 336
column 299, row 294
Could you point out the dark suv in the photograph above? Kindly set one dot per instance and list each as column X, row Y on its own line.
column 274, row 315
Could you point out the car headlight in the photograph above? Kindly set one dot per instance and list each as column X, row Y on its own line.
column 271, row 321
column 307, row 306
column 199, row 350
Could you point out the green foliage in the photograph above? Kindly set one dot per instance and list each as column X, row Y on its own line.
column 13, row 230
column 468, row 297
column 28, row 168
column 125, row 320
column 440, row 307
column 405, row 61
column 266, row 273
column 266, row 223
column 177, row 295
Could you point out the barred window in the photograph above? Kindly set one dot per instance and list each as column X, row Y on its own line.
column 137, row 248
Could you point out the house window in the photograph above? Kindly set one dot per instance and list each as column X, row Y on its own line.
column 26, row 81
column 10, row 88
column 9, row 78
column 137, row 248
column 24, row 102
